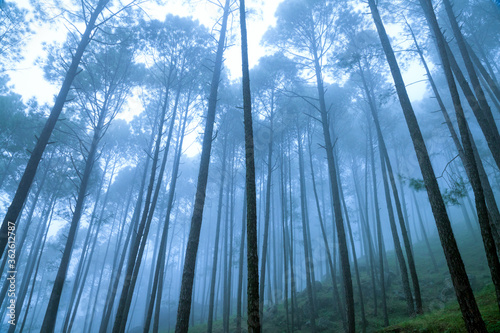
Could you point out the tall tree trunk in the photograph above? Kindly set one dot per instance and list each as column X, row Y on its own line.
column 217, row 236
column 184, row 307
column 252, row 251
column 224, row 273
column 231, row 234
column 241, row 264
column 397, row 245
column 465, row 297
column 293, row 285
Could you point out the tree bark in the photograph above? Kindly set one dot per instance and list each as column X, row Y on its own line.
column 49, row 320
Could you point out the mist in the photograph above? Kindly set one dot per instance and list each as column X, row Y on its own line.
column 206, row 166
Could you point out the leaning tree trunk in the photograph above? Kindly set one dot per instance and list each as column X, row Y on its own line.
column 486, row 123
column 184, row 309
column 489, row 80
column 307, row 249
column 463, row 290
column 36, row 155
column 49, row 320
column 481, row 98
column 470, row 163
column 488, row 192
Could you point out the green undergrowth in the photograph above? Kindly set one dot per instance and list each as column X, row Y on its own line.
column 441, row 312
column 449, row 318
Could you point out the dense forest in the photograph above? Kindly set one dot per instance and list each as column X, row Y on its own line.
column 216, row 166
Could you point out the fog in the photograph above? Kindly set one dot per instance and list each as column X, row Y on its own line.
column 306, row 166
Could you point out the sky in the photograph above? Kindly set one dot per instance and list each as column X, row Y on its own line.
column 27, row 78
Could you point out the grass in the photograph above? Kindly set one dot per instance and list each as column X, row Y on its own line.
column 450, row 319
column 441, row 312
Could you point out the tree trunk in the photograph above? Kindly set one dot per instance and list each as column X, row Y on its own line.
column 284, row 219
column 332, row 171
column 36, row 155
column 49, row 320
column 184, row 308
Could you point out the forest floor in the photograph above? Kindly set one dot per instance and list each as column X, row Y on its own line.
column 441, row 312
